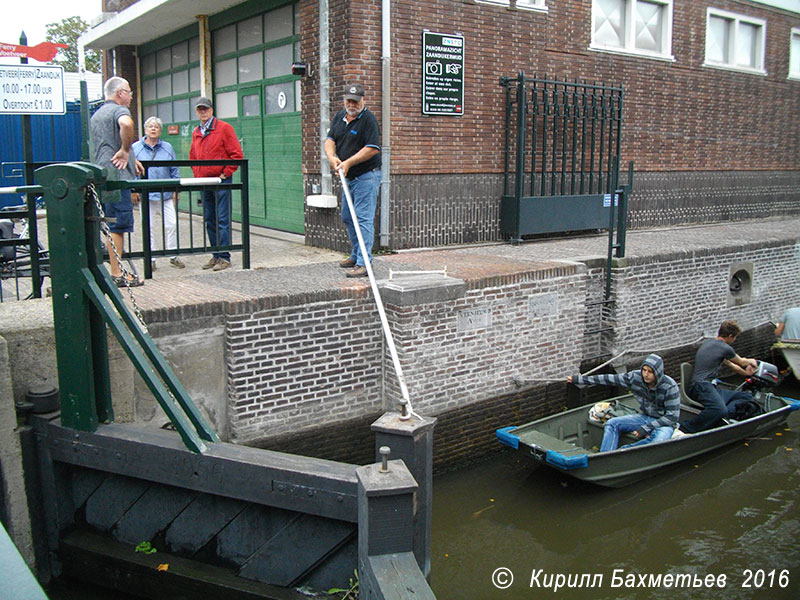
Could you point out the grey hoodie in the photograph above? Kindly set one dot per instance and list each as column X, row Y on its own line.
column 662, row 403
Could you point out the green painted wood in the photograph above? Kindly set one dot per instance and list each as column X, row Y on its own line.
column 284, row 177
column 64, row 199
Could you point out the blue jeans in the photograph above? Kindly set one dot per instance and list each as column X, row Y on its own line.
column 364, row 191
column 715, row 405
column 217, row 215
column 627, row 424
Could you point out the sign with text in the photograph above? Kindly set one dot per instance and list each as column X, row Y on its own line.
column 32, row 90
column 474, row 318
column 442, row 74
column 543, row 305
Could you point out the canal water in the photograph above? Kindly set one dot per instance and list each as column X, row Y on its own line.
column 507, row 529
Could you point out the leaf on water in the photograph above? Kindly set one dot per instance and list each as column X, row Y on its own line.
column 163, row 567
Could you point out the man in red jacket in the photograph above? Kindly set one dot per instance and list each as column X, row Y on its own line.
column 215, row 140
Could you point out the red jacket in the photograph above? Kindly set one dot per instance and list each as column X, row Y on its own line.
column 219, row 143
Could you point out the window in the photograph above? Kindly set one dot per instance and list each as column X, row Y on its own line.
column 640, row 27
column 523, row 4
column 259, row 49
column 794, row 54
column 735, row 41
column 170, row 79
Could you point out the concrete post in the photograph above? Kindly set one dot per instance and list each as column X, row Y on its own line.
column 411, row 441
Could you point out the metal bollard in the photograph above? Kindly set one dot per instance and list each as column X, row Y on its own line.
column 385, row 451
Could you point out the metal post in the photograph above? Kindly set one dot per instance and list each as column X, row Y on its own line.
column 519, row 165
column 245, row 215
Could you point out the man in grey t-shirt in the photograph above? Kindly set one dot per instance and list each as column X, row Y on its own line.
column 709, row 358
column 112, row 133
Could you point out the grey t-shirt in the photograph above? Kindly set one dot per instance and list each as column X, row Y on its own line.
column 106, row 139
column 709, row 359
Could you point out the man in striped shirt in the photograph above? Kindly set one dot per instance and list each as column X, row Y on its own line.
column 659, row 402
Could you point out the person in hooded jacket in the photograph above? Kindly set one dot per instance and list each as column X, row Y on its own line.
column 659, row 402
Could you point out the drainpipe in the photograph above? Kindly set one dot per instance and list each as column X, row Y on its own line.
column 324, row 97
column 386, row 152
column 204, row 35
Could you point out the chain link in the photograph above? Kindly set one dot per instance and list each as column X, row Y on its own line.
column 91, row 194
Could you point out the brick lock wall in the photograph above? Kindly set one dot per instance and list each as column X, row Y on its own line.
column 655, row 310
column 679, row 117
column 295, row 366
column 448, row 364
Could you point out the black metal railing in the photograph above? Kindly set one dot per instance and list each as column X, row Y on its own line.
column 561, row 156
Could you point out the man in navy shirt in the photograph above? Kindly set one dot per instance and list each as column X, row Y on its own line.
column 353, row 146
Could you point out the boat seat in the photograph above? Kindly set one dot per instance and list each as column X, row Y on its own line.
column 687, row 370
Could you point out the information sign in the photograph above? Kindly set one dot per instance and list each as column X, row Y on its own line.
column 442, row 74
column 32, row 90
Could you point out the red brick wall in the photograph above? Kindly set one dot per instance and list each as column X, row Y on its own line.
column 678, row 116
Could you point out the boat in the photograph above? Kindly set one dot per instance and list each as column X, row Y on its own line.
column 569, row 441
column 791, row 353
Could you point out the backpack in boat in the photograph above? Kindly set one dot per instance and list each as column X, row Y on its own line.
column 744, row 409
column 601, row 412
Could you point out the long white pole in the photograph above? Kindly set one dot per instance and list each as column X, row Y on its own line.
column 379, row 303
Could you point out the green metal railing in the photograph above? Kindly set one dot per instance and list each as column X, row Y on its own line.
column 145, row 185
column 86, row 300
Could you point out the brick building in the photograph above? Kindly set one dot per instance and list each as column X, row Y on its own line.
column 712, row 94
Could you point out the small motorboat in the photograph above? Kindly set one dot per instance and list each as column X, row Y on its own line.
column 791, row 353
column 569, row 441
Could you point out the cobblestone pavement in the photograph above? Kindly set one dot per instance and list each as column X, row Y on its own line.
column 281, row 264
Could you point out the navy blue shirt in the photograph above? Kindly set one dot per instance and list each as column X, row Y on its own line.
column 351, row 137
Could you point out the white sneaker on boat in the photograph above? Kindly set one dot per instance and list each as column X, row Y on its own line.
column 679, row 434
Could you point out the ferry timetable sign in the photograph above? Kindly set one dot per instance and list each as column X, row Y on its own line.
column 32, row 90
column 442, row 74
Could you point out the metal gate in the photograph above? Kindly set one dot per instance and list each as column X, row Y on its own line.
column 566, row 177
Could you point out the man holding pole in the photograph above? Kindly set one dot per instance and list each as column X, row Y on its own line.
column 353, row 146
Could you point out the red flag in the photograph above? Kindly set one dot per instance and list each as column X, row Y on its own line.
column 44, row 52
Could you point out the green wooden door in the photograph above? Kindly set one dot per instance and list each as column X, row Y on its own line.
column 283, row 179
column 251, row 133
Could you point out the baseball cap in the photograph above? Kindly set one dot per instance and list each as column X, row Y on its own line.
column 203, row 101
column 353, row 91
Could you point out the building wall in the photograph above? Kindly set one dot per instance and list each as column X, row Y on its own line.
column 708, row 142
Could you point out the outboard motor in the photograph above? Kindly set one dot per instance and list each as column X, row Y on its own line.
column 766, row 375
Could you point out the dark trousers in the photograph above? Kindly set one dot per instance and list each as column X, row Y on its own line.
column 715, row 402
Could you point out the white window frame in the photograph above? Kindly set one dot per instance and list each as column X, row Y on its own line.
column 629, row 47
column 737, row 19
column 532, row 5
column 794, row 54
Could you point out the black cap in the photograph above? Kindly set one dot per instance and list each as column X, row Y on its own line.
column 353, row 91
column 203, row 101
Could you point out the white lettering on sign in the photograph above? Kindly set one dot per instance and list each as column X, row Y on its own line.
column 474, row 318
column 543, row 305
column 32, row 90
